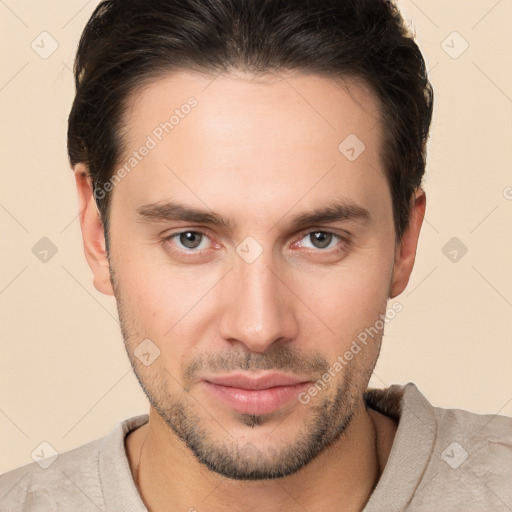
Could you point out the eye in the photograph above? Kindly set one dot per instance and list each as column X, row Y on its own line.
column 189, row 240
column 321, row 239
column 196, row 241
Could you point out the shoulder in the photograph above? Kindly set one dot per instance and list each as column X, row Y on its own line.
column 471, row 461
column 481, row 441
column 481, row 436
column 88, row 478
column 486, row 425
column 71, row 479
column 442, row 459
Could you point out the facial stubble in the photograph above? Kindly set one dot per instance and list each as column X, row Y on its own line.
column 325, row 423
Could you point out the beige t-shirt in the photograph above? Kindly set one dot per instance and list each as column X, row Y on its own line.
column 446, row 460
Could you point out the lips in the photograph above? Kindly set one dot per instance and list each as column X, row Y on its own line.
column 264, row 381
column 260, row 394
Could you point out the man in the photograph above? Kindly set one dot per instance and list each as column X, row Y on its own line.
column 249, row 181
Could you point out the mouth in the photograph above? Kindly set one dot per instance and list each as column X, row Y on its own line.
column 263, row 394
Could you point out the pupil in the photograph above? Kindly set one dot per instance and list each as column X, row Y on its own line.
column 187, row 239
column 323, row 238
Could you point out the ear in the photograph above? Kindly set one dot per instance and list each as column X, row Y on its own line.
column 406, row 250
column 92, row 231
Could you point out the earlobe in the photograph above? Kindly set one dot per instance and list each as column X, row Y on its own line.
column 93, row 234
column 406, row 250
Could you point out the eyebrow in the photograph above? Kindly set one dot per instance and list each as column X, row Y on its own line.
column 336, row 211
column 173, row 211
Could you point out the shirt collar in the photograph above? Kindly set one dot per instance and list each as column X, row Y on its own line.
column 412, row 446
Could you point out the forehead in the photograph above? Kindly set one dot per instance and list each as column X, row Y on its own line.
column 259, row 140
column 303, row 103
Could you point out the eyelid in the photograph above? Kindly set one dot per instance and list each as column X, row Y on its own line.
column 316, row 229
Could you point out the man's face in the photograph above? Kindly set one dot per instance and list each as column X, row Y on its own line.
column 258, row 293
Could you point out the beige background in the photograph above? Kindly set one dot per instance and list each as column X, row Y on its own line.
column 64, row 375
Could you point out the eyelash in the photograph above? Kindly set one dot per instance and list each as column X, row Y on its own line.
column 344, row 241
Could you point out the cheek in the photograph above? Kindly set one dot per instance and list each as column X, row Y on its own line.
column 348, row 295
column 170, row 303
column 345, row 303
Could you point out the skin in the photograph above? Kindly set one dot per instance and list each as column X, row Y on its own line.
column 258, row 153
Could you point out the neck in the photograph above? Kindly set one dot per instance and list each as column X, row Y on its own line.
column 342, row 477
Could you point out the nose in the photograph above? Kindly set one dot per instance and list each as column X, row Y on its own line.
column 260, row 308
